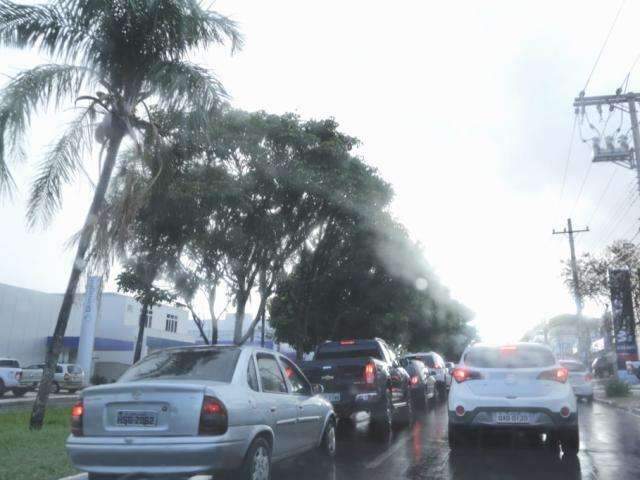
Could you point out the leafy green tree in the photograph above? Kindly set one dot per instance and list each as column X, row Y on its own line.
column 116, row 56
column 137, row 278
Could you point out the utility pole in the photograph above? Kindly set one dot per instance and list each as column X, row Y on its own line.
column 584, row 352
column 621, row 155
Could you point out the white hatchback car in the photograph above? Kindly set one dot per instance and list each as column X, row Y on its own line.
column 580, row 379
column 520, row 387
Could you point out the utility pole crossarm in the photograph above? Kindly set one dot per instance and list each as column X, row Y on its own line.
column 583, row 101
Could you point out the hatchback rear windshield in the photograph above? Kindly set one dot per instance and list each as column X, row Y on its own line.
column 351, row 351
column 573, row 366
column 426, row 359
column 9, row 363
column 511, row 357
column 199, row 364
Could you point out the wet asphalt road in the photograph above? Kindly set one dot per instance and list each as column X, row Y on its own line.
column 610, row 449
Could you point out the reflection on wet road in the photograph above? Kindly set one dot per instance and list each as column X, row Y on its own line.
column 609, row 450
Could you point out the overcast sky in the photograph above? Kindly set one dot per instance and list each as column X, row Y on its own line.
column 465, row 107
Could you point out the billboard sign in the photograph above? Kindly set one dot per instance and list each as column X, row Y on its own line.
column 623, row 319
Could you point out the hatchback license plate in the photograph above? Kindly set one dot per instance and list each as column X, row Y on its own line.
column 513, row 418
column 136, row 419
column 332, row 397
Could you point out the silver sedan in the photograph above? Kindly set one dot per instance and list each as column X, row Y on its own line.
column 194, row 410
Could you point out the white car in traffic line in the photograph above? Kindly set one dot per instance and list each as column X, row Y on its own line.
column 513, row 387
column 580, row 379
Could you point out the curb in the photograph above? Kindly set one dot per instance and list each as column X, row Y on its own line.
column 610, row 403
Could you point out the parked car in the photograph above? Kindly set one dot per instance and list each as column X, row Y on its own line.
column 580, row 379
column 67, row 376
column 422, row 382
column 363, row 376
column 514, row 387
column 10, row 375
column 437, row 364
column 200, row 410
column 604, row 365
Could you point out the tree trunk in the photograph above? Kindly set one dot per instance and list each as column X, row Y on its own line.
column 39, row 406
column 250, row 330
column 142, row 321
column 211, row 300
column 241, row 302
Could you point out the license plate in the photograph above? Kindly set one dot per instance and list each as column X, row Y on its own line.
column 136, row 419
column 332, row 397
column 513, row 418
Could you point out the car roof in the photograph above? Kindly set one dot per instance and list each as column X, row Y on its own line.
column 216, row 347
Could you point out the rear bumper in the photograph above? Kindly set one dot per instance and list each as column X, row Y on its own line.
column 156, row 455
column 364, row 401
column 542, row 419
column 583, row 390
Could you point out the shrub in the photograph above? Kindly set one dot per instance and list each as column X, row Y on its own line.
column 617, row 388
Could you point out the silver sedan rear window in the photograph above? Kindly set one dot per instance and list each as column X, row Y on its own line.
column 211, row 364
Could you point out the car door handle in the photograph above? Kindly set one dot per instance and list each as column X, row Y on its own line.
column 300, row 407
column 273, row 409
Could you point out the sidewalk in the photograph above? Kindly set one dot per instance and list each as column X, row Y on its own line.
column 629, row 404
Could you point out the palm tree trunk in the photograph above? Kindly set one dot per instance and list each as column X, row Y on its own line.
column 39, row 406
column 142, row 321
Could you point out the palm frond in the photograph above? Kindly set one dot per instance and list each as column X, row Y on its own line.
column 59, row 166
column 179, row 85
column 25, row 94
column 49, row 28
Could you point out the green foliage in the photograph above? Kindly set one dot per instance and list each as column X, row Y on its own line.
column 617, row 388
column 28, row 454
column 134, row 51
column 136, row 278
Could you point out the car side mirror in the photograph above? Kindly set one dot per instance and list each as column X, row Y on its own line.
column 317, row 389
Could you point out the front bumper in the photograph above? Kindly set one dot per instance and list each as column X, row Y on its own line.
column 155, row 455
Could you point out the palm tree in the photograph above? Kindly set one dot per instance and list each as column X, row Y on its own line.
column 116, row 58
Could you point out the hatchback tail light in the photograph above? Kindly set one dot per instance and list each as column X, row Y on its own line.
column 77, row 412
column 557, row 375
column 370, row 373
column 414, row 380
column 213, row 417
column 464, row 374
column 588, row 377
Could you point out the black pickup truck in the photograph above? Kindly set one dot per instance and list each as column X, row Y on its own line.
column 363, row 376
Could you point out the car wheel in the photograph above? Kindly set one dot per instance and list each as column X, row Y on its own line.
column 19, row 392
column 72, row 391
column 456, row 436
column 101, row 476
column 328, row 444
column 405, row 415
column 2, row 389
column 589, row 398
column 422, row 399
column 55, row 388
column 382, row 419
column 257, row 463
column 441, row 391
column 570, row 441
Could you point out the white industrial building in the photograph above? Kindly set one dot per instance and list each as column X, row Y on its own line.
column 28, row 317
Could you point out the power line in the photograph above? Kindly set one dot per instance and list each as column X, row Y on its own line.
column 604, row 44
column 604, row 192
column 566, row 165
column 584, row 180
column 618, row 209
column 623, row 217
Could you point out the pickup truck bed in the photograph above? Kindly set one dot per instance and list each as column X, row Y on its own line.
column 362, row 376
